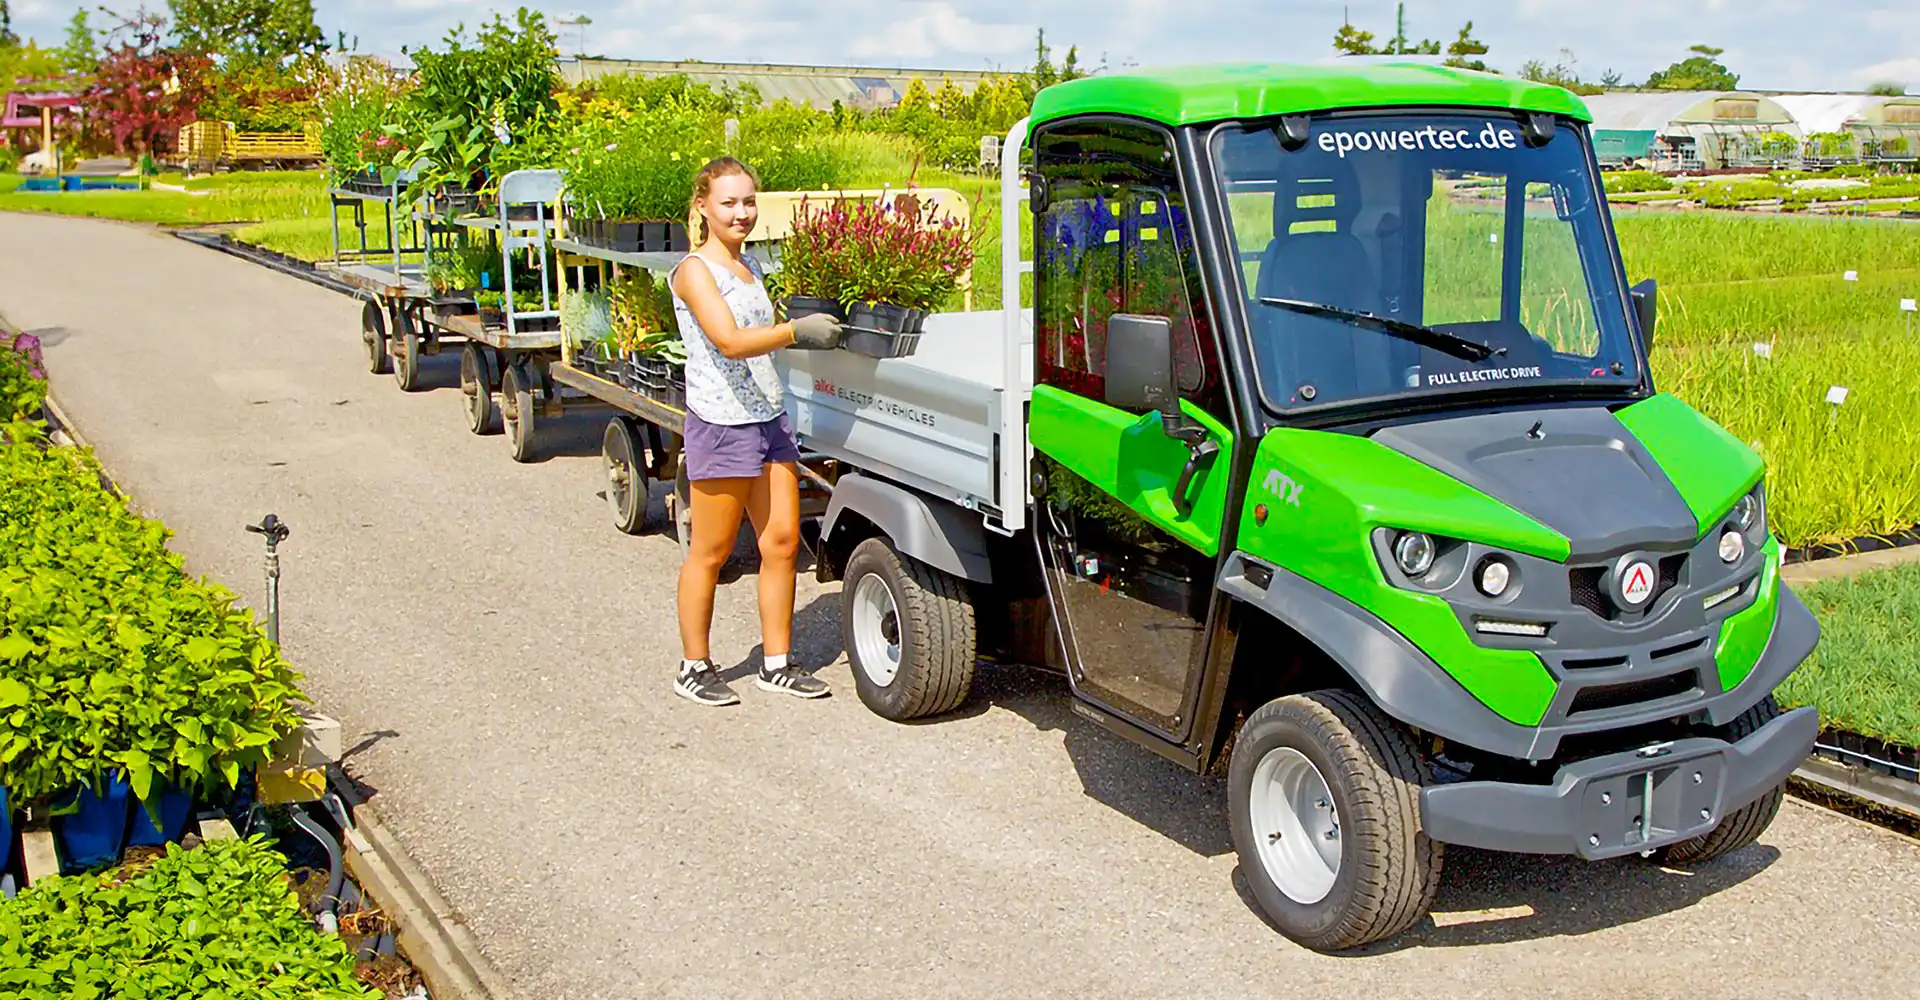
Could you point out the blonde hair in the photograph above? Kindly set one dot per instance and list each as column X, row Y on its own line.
column 703, row 183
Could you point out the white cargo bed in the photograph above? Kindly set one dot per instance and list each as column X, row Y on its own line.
column 933, row 421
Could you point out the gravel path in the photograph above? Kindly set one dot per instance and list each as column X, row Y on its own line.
column 499, row 655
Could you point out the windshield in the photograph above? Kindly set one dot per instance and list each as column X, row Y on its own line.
column 1482, row 262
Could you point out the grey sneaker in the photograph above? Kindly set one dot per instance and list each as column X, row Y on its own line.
column 702, row 685
column 788, row 680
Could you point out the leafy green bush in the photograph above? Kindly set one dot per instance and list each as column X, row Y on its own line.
column 1631, row 181
column 472, row 101
column 217, row 922
column 111, row 658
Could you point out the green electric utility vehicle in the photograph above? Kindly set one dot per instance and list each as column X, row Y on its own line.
column 1328, row 460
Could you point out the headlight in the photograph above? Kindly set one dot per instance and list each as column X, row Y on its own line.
column 1414, row 551
column 1746, row 511
column 1495, row 575
column 1733, row 545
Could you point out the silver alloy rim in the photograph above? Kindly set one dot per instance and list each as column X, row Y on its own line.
column 876, row 630
column 1296, row 826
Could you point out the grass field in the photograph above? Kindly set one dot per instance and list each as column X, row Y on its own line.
column 1865, row 674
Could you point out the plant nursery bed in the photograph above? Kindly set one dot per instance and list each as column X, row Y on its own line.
column 1853, row 546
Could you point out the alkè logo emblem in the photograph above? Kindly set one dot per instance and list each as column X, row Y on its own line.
column 1636, row 583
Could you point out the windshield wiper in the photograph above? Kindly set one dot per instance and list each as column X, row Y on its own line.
column 1439, row 340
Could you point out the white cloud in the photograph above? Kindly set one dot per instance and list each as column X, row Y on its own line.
column 937, row 29
column 1905, row 71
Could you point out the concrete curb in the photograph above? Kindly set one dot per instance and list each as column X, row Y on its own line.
column 1798, row 574
column 434, row 937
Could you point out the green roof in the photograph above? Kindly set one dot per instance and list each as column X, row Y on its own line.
column 1187, row 95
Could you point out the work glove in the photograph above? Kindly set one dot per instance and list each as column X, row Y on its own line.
column 817, row 332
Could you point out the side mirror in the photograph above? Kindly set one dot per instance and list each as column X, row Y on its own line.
column 1140, row 364
column 1646, row 299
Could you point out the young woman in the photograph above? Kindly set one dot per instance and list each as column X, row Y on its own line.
column 739, row 446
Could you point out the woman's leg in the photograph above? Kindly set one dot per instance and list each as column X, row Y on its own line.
column 774, row 505
column 716, row 508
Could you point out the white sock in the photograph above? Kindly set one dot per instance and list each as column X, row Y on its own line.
column 689, row 666
column 775, row 663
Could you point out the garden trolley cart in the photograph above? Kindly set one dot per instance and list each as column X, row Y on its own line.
column 390, row 278
column 1328, row 460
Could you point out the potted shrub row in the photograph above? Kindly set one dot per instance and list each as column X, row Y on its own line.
column 629, row 177
column 128, row 690
column 646, row 333
column 881, row 267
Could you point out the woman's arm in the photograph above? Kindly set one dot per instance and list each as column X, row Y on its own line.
column 696, row 287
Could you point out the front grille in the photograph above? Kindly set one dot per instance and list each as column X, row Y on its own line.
column 1685, row 647
column 1587, row 587
column 1596, row 663
column 1587, row 593
column 1601, row 697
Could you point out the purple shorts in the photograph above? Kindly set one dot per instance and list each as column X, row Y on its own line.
column 722, row 451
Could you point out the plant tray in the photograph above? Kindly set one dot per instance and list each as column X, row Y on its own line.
column 883, row 330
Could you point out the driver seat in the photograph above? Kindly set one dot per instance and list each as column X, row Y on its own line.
column 1316, row 265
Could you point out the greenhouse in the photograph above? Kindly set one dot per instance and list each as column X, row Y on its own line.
column 1693, row 131
column 1843, row 128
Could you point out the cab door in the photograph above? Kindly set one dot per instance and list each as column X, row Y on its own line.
column 1128, row 516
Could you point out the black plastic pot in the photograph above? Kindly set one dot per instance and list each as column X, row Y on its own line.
column 676, row 388
column 806, row 305
column 882, row 330
column 661, row 237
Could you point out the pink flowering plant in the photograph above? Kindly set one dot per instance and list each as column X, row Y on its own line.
column 899, row 252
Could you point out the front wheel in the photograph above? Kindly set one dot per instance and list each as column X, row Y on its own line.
column 1744, row 825
column 516, row 410
column 1324, row 800
column 908, row 629
column 373, row 336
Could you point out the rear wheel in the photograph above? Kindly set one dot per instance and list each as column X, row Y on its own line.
column 908, row 629
column 1741, row 827
column 406, row 351
column 476, row 383
column 1324, row 801
column 373, row 335
column 516, row 410
column 626, row 474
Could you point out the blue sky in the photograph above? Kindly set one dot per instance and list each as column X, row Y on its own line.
column 1772, row 44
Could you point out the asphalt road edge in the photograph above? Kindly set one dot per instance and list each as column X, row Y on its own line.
column 434, row 937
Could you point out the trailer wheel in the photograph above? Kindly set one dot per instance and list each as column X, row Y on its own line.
column 406, row 351
column 1324, row 801
column 626, row 474
column 1744, row 825
column 476, row 383
column 373, row 334
column 908, row 629
column 516, row 410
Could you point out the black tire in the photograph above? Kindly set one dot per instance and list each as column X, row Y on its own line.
column 476, row 384
column 932, row 627
column 1741, row 827
column 406, row 351
column 516, row 410
column 1389, row 869
column 373, row 336
column 626, row 474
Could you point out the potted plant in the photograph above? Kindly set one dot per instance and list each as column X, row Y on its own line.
column 884, row 265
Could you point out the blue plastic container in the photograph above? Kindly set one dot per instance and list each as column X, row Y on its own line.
column 6, row 830
column 96, row 832
column 176, row 807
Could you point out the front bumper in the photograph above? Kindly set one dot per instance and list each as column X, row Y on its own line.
column 1600, row 807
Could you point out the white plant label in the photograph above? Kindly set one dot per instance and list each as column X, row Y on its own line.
column 1836, row 394
column 1910, row 305
column 1493, row 237
column 1850, row 276
column 1764, row 350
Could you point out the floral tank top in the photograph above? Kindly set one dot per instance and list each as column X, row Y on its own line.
column 723, row 390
